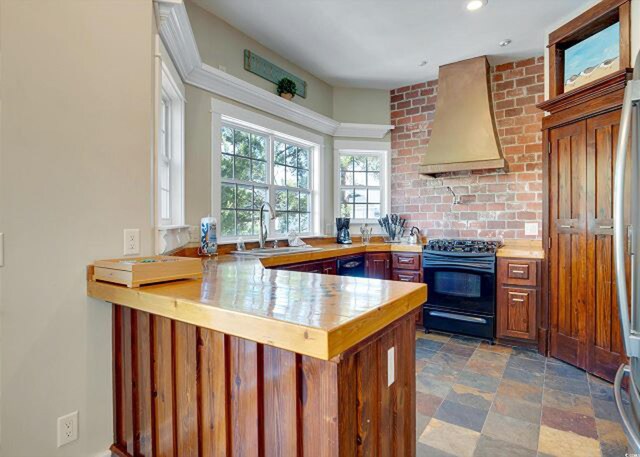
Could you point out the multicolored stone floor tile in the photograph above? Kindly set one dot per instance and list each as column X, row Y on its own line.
column 475, row 400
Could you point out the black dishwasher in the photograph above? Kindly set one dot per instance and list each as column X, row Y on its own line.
column 351, row 266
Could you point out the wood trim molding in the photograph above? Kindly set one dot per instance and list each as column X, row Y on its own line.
column 580, row 95
column 176, row 33
column 584, row 20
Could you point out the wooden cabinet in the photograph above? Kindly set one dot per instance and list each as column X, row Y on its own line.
column 584, row 327
column 522, row 273
column 378, row 265
column 517, row 299
column 517, row 313
column 406, row 261
column 330, row 267
column 406, row 276
column 407, row 267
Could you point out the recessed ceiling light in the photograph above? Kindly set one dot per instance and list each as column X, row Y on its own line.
column 505, row 43
column 423, row 63
column 473, row 5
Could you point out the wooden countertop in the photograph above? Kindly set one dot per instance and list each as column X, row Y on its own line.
column 317, row 315
column 522, row 249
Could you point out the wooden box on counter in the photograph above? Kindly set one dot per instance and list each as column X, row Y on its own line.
column 137, row 271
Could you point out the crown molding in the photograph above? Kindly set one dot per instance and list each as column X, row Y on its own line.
column 176, row 34
column 362, row 130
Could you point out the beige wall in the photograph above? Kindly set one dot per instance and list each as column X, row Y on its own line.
column 75, row 170
column 222, row 45
column 198, row 157
column 361, row 106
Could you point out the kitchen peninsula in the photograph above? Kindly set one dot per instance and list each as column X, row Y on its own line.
column 255, row 360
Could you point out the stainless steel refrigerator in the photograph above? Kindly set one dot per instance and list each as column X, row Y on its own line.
column 626, row 238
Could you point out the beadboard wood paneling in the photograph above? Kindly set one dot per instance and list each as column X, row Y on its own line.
column 204, row 393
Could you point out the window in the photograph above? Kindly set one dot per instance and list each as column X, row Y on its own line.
column 164, row 160
column 258, row 166
column 361, row 177
column 170, row 154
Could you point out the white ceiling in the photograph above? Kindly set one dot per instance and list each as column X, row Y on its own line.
column 379, row 43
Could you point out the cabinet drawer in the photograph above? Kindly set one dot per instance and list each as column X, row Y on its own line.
column 518, row 272
column 517, row 313
column 405, row 275
column 406, row 261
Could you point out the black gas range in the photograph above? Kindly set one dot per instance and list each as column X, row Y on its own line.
column 461, row 276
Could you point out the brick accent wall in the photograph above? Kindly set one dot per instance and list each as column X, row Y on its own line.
column 494, row 203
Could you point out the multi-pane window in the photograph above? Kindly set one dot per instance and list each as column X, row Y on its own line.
column 291, row 175
column 240, row 207
column 170, row 154
column 164, row 160
column 259, row 167
column 360, row 185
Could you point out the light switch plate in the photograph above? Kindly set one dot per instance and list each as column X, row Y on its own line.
column 531, row 228
column 131, row 241
column 391, row 366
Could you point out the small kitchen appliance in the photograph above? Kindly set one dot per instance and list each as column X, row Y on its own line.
column 342, row 225
column 461, row 275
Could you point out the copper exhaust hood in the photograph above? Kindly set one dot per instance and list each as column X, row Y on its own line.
column 464, row 135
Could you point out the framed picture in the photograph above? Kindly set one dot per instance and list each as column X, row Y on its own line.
column 592, row 47
column 592, row 58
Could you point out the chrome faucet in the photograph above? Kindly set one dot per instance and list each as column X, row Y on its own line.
column 264, row 229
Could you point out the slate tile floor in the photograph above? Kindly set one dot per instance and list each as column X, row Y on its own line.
column 477, row 400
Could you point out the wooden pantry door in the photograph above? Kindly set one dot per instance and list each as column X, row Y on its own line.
column 604, row 341
column 568, row 269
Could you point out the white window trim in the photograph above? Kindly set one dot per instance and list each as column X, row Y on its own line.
column 169, row 90
column 226, row 113
column 380, row 148
column 168, row 235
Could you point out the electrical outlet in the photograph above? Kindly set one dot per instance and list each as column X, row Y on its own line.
column 531, row 228
column 67, row 428
column 391, row 366
column 131, row 241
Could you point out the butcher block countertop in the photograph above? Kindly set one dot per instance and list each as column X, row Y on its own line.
column 312, row 314
column 522, row 249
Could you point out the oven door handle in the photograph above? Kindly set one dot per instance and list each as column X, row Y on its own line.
column 458, row 317
column 464, row 266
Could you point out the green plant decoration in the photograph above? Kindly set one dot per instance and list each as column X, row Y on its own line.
column 286, row 86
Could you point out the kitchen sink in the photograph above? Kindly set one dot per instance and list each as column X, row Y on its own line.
column 270, row 252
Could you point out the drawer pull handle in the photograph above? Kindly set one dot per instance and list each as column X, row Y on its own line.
column 517, row 299
column 606, row 227
column 566, row 226
column 405, row 260
column 518, row 272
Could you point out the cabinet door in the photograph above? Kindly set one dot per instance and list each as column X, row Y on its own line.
column 517, row 313
column 329, row 267
column 568, row 294
column 605, row 352
column 314, row 267
column 378, row 265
